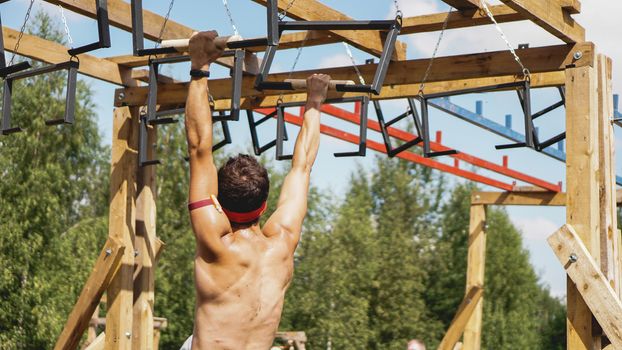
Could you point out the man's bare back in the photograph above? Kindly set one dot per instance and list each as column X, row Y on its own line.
column 242, row 270
column 239, row 304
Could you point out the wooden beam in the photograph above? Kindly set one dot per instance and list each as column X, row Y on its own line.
column 51, row 52
column 122, row 218
column 463, row 5
column 582, row 199
column 519, row 198
column 119, row 15
column 99, row 342
column 476, row 264
column 451, row 71
column 552, row 16
column 370, row 41
column 464, row 313
column 589, row 281
column 146, row 245
column 105, row 266
column 609, row 239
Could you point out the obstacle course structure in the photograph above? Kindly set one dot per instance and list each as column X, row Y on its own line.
column 588, row 246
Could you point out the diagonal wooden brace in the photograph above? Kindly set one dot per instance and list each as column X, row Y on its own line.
column 590, row 281
column 458, row 324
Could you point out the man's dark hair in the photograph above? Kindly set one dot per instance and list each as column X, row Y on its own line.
column 243, row 184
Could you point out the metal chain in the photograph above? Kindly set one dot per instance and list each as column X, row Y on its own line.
column 438, row 44
column 356, row 68
column 62, row 16
column 291, row 71
column 525, row 71
column 398, row 11
column 21, row 32
column 235, row 28
column 283, row 14
column 168, row 15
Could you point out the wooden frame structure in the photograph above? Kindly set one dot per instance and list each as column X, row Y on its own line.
column 126, row 266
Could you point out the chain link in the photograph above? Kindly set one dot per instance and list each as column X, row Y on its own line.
column 21, row 32
column 438, row 44
column 398, row 11
column 283, row 14
column 62, row 16
column 228, row 10
column 291, row 71
column 356, row 68
column 168, row 15
column 525, row 71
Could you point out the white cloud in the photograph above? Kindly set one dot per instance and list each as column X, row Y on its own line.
column 535, row 229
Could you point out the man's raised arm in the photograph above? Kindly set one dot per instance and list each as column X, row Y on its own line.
column 292, row 205
column 207, row 222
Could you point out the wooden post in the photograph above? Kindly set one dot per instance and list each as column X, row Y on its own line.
column 582, row 195
column 120, row 297
column 609, row 239
column 146, row 250
column 475, row 274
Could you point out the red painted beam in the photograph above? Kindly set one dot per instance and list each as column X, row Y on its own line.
column 410, row 156
column 436, row 146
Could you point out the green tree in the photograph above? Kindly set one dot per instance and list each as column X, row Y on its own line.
column 52, row 180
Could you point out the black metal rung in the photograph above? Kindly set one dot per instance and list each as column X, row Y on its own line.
column 14, row 68
column 547, row 109
column 163, row 121
column 394, row 152
column 285, row 157
column 511, row 145
column 553, row 140
column 156, row 51
column 336, row 25
column 86, row 48
column 11, row 131
column 355, row 88
column 266, row 118
column 241, row 44
column 150, row 162
column 55, row 122
column 441, row 153
column 398, row 118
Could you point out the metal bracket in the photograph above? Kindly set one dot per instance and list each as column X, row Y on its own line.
column 277, row 27
column 103, row 30
column 70, row 97
column 144, row 137
column 138, row 36
column 412, row 110
column 257, row 148
column 154, row 117
column 362, row 149
column 14, row 68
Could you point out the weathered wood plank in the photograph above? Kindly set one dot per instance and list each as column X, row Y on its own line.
column 477, row 69
column 464, row 313
column 146, row 244
column 552, row 16
column 519, row 198
column 476, row 263
column 609, row 240
column 582, row 198
column 105, row 267
column 122, row 219
column 463, row 5
column 589, row 281
column 50, row 52
column 370, row 41
column 99, row 342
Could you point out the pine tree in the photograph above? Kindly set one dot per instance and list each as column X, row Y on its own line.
column 52, row 180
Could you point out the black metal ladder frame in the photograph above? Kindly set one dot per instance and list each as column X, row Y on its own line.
column 103, row 31
column 70, row 97
column 276, row 27
column 384, row 126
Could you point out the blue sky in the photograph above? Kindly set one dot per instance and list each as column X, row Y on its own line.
column 332, row 174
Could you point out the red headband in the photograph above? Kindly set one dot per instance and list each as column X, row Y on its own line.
column 243, row 218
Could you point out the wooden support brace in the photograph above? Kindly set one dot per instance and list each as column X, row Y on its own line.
column 122, row 218
column 464, row 313
column 312, row 10
column 552, row 16
column 105, row 267
column 99, row 342
column 584, row 272
column 476, row 264
column 519, row 198
column 463, row 5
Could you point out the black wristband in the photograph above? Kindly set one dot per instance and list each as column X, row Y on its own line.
column 197, row 73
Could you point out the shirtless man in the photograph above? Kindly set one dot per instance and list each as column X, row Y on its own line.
column 242, row 270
